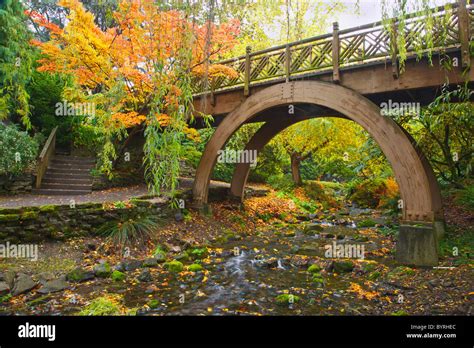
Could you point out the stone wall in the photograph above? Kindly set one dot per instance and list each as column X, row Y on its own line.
column 49, row 222
column 16, row 184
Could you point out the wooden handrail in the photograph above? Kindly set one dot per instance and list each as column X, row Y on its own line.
column 45, row 157
column 343, row 48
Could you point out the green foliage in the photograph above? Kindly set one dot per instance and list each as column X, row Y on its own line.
column 15, row 63
column 466, row 197
column 18, row 151
column 45, row 92
column 366, row 223
column 129, row 230
column 198, row 253
column 280, row 182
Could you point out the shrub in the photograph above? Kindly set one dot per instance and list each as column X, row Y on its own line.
column 466, row 197
column 18, row 150
column 377, row 193
column 129, row 230
column 281, row 182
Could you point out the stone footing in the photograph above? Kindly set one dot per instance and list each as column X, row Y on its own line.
column 418, row 244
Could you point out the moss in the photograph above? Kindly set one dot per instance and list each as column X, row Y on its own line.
column 366, row 223
column 9, row 217
column 314, row 269
column 317, row 279
column 29, row 215
column 47, row 208
column 400, row 313
column 102, row 306
column 285, row 299
column 102, row 270
column 368, row 267
column 117, row 276
column 195, row 267
column 153, row 304
column 174, row 266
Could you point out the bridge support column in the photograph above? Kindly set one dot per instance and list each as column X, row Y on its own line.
column 418, row 244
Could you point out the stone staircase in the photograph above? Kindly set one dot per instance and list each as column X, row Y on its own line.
column 67, row 175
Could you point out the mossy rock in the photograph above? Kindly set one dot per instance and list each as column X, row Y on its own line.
column 9, row 217
column 290, row 233
column 343, row 266
column 153, row 304
column 314, row 269
column 117, row 276
column 103, row 270
column 174, row 266
column 317, row 279
column 79, row 275
column 195, row 267
column 400, row 313
column 285, row 299
column 47, row 208
column 29, row 215
column 366, row 223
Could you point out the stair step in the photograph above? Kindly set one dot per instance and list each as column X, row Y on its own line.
column 67, row 176
column 83, row 180
column 72, row 159
column 62, row 165
column 55, row 170
column 66, row 186
column 59, row 192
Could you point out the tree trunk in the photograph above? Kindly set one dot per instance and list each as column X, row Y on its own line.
column 295, row 168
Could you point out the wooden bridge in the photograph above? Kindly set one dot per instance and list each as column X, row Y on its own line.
column 348, row 73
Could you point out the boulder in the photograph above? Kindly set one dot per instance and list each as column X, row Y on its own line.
column 4, row 288
column 54, row 286
column 79, row 275
column 23, row 283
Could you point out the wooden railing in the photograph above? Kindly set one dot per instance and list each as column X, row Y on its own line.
column 453, row 27
column 45, row 157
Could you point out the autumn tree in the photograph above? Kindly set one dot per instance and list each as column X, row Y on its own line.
column 138, row 73
column 319, row 137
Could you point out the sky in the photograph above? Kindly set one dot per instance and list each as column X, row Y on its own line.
column 370, row 11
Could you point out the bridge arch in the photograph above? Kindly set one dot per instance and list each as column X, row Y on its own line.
column 418, row 188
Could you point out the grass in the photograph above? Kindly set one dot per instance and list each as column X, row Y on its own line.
column 130, row 230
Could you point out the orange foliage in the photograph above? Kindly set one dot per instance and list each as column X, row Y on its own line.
column 138, row 58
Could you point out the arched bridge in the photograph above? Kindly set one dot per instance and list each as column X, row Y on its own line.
column 348, row 73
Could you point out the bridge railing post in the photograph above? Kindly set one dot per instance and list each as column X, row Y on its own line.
column 287, row 63
column 394, row 49
column 247, row 72
column 335, row 52
column 464, row 32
